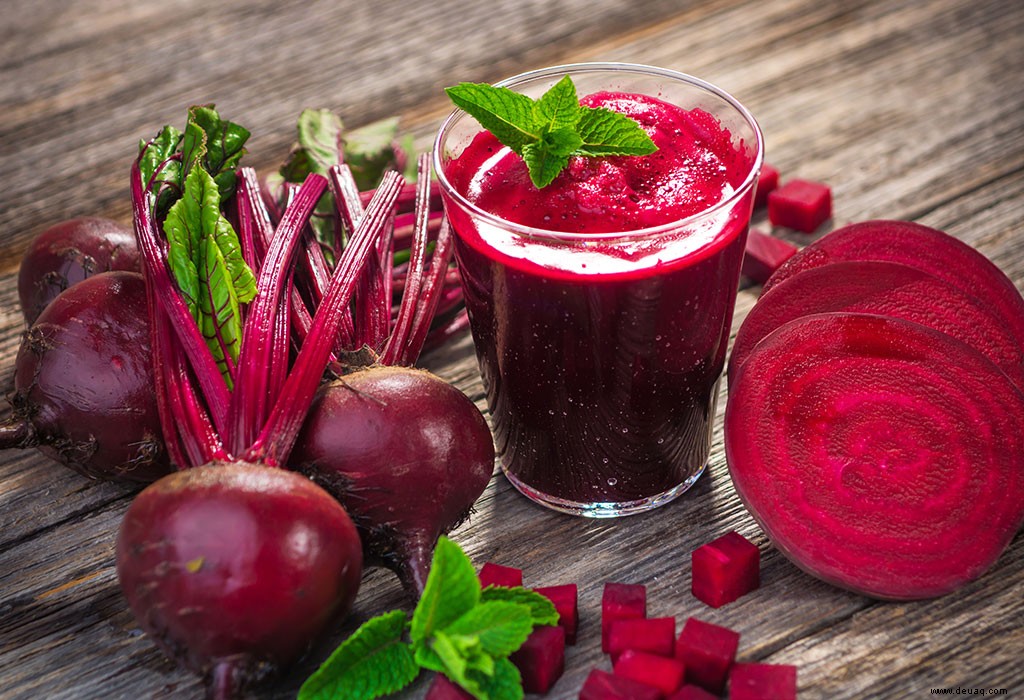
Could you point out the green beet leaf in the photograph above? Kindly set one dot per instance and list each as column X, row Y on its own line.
column 373, row 662
column 215, row 143
column 451, row 590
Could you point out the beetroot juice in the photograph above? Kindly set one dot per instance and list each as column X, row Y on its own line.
column 601, row 305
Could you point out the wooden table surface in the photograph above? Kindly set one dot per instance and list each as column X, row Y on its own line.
column 909, row 109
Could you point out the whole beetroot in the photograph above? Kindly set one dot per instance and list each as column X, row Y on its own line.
column 83, row 383
column 69, row 252
column 405, row 452
column 233, row 569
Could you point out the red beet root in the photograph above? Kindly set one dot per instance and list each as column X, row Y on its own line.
column 406, row 453
column 656, row 635
column 877, row 454
column 541, row 659
column 800, row 204
column 926, row 249
column 692, row 692
column 84, row 384
column 492, row 574
column 621, row 601
column 763, row 255
column 663, row 673
column 767, row 181
column 443, row 689
column 725, row 569
column 233, row 568
column 762, row 682
column 566, row 601
column 708, row 652
column 601, row 685
column 886, row 289
column 69, row 252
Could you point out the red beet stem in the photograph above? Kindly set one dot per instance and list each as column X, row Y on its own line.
column 431, row 297
column 278, row 435
column 155, row 266
column 261, row 358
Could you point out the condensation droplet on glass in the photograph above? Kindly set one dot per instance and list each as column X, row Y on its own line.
column 625, row 430
column 612, row 481
column 604, row 460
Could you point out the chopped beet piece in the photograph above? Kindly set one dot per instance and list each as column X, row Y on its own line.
column 725, row 569
column 621, row 601
column 565, row 599
column 492, row 574
column 663, row 673
column 601, row 685
column 762, row 682
column 708, row 652
column 655, row 635
column 692, row 692
column 800, row 204
column 444, row 689
column 764, row 255
column 541, row 659
column 767, row 181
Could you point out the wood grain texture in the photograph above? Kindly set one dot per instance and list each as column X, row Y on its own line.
column 909, row 109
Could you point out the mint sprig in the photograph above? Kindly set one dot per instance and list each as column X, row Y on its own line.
column 456, row 629
column 548, row 131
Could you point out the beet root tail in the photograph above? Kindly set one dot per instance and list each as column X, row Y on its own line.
column 411, row 561
column 17, row 434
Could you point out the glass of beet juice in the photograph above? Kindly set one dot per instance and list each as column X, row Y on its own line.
column 600, row 305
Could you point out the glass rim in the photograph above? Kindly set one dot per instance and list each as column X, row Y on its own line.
column 594, row 67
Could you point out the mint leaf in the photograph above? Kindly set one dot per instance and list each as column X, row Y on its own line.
column 547, row 157
column 373, row 662
column 609, row 133
column 548, row 131
column 500, row 626
column 507, row 114
column 451, row 590
column 504, row 684
column 558, row 108
column 542, row 610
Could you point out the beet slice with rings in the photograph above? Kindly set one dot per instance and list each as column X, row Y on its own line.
column 927, row 249
column 877, row 454
column 886, row 289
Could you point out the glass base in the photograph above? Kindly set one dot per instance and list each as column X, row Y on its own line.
column 603, row 509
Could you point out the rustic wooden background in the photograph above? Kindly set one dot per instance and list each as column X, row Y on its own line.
column 910, row 109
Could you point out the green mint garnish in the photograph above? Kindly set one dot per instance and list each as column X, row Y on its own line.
column 548, row 131
column 456, row 629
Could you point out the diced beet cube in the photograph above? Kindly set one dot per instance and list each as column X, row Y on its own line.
column 565, row 599
column 764, row 254
column 444, row 689
column 663, row 673
column 762, row 682
column 708, row 652
column 800, row 204
column 725, row 569
column 497, row 575
column 601, row 685
column 656, row 635
column 541, row 658
column 767, row 181
column 692, row 692
column 621, row 601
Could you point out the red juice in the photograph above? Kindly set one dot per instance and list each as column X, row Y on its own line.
column 600, row 346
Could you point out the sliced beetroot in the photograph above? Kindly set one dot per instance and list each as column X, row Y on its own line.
column 886, row 289
column 541, row 658
column 764, row 255
column 927, row 249
column 492, row 574
column 565, row 598
column 621, row 601
column 802, row 205
column 666, row 674
column 767, row 181
column 877, row 454
column 443, row 689
column 692, row 692
column 651, row 634
column 708, row 652
column 725, row 569
column 762, row 682
column 601, row 685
